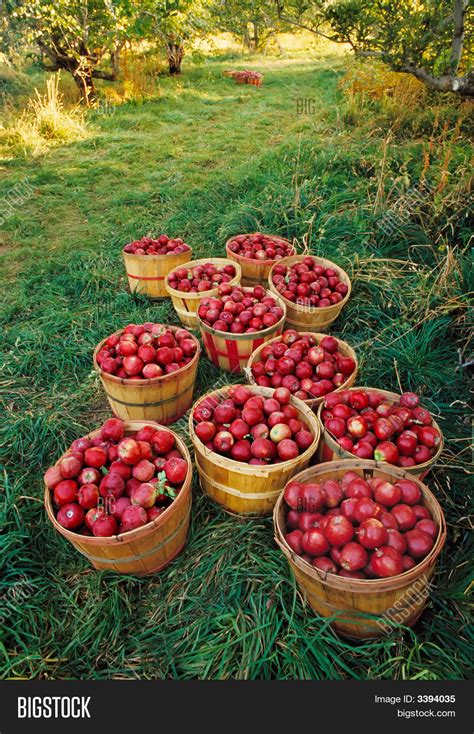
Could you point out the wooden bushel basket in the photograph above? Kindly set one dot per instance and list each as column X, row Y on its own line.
column 363, row 608
column 243, row 489
column 311, row 318
column 330, row 450
column 186, row 304
column 145, row 550
column 231, row 352
column 146, row 273
column 344, row 348
column 255, row 272
column 162, row 399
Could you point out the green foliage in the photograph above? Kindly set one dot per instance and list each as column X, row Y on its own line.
column 232, row 160
column 69, row 34
column 253, row 22
column 83, row 28
column 422, row 38
column 172, row 23
column 172, row 20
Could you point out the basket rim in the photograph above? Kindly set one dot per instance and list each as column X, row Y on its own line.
column 347, row 455
column 258, row 262
column 131, row 535
column 252, row 469
column 311, row 309
column 310, row 401
column 156, row 257
column 202, row 294
column 152, row 380
column 360, row 584
column 254, row 334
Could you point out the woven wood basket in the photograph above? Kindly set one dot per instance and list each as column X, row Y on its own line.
column 311, row 318
column 231, row 352
column 330, row 450
column 363, row 608
column 146, row 273
column 243, row 489
column 163, row 399
column 255, row 272
column 344, row 348
column 145, row 550
column 186, row 304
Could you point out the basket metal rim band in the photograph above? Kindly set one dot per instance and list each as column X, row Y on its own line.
column 312, row 595
column 130, row 559
column 294, row 561
column 235, row 492
column 228, row 336
column 226, row 354
column 145, row 277
column 150, row 405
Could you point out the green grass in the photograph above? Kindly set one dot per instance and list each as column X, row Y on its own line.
column 203, row 160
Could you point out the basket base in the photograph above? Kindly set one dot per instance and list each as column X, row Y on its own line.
column 237, row 515
column 258, row 514
column 159, row 568
column 340, row 629
column 150, row 298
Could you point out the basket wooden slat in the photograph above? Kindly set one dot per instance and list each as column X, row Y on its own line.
column 146, row 273
column 311, row 318
column 344, row 348
column 231, row 352
column 330, row 450
column 398, row 599
column 186, row 304
column 243, row 489
column 145, row 550
column 255, row 272
column 163, row 399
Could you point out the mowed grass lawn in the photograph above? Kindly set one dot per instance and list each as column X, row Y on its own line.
column 205, row 159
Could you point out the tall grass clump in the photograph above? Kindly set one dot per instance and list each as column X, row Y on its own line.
column 44, row 123
column 376, row 95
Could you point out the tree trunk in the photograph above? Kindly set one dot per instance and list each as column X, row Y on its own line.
column 256, row 38
column 246, row 38
column 85, row 84
column 115, row 59
column 175, row 53
column 82, row 71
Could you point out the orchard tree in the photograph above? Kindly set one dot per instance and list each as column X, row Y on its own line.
column 253, row 22
column 74, row 35
column 431, row 39
column 173, row 23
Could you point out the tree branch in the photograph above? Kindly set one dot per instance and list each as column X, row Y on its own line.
column 459, row 11
column 462, row 85
column 369, row 54
column 303, row 27
column 98, row 74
